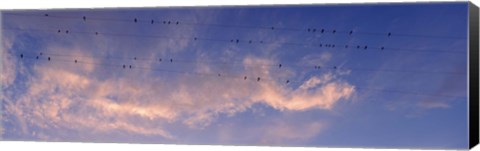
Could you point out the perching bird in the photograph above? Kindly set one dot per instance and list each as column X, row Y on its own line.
column 135, row 20
column 258, row 79
column 130, row 66
column 389, row 34
column 334, row 31
column 351, row 32
column 245, row 78
column 75, row 61
column 46, row 14
column 365, row 47
column 382, row 48
column 37, row 57
column 48, row 58
column 160, row 60
column 152, row 21
column 66, row 31
column 279, row 65
column 123, row 66
column 171, row 60
column 288, row 81
column 21, row 55
column 84, row 18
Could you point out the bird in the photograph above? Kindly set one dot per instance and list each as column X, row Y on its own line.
column 48, row 58
column 389, row 34
column 323, row 30
column 334, row 67
column 287, row 81
column 272, row 28
column 279, row 65
column 219, row 75
column 314, row 30
column 130, row 66
column 334, row 31
column 245, row 78
column 177, row 23
column 134, row 58
column 365, row 47
column 96, row 33
column 37, row 57
column 382, row 48
column 258, row 79
column 66, row 31
column 46, row 14
column 21, row 55
column 59, row 31
column 84, row 18
column 135, row 20
column 171, row 60
column 75, row 61
column 152, row 21
column 346, row 46
column 195, row 38
column 160, row 60
column 123, row 66
column 351, row 32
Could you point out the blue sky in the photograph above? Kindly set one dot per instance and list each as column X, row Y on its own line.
column 376, row 98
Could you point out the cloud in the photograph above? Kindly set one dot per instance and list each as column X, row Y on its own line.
column 96, row 100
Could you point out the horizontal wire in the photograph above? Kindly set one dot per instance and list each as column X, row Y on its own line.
column 273, row 28
column 329, row 46
column 241, row 64
column 244, row 77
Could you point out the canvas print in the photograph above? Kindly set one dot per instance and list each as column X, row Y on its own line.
column 350, row 75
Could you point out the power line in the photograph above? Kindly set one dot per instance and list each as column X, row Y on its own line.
column 241, row 64
column 222, row 75
column 314, row 30
column 328, row 46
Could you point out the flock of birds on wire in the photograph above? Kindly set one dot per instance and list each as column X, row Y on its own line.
column 255, row 78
